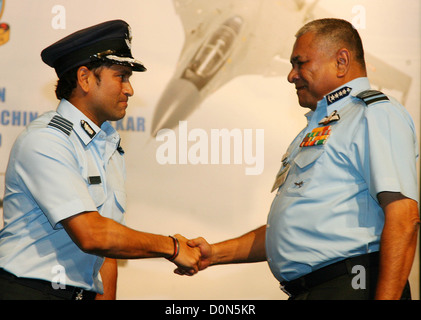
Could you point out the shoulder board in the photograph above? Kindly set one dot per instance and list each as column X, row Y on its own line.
column 62, row 124
column 372, row 96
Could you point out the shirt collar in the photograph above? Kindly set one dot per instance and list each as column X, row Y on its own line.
column 85, row 128
column 338, row 98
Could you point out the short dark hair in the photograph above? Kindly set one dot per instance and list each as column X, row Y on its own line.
column 68, row 81
column 339, row 32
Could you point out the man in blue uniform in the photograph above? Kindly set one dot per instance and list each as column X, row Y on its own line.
column 344, row 221
column 65, row 200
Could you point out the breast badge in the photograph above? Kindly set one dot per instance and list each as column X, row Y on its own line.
column 317, row 136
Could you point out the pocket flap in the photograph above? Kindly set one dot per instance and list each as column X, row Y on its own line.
column 308, row 155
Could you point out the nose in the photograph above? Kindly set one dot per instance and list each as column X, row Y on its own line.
column 128, row 89
column 293, row 76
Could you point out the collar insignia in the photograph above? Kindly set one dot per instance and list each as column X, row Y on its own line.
column 87, row 128
column 338, row 95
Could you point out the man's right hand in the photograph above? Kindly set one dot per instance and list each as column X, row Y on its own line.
column 205, row 260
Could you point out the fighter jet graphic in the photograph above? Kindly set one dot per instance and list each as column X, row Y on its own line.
column 225, row 39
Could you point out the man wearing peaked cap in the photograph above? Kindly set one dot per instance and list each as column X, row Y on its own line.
column 109, row 41
column 64, row 205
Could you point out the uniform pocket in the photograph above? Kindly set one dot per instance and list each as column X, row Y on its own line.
column 305, row 163
column 97, row 193
column 308, row 155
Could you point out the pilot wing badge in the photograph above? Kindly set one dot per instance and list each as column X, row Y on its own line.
column 334, row 116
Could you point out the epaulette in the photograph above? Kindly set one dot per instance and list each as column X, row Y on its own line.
column 62, row 124
column 372, row 96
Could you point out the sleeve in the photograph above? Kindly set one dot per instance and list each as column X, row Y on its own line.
column 392, row 150
column 48, row 167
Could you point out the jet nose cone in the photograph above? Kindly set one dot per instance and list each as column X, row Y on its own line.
column 178, row 101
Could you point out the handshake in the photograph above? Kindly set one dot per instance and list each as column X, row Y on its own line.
column 190, row 256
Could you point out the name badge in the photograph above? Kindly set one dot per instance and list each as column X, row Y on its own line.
column 281, row 177
column 94, row 180
column 283, row 173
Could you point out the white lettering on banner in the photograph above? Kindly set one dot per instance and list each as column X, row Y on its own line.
column 59, row 280
column 198, row 153
column 59, row 20
column 359, row 20
column 358, row 282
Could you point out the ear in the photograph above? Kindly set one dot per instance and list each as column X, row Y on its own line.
column 343, row 62
column 83, row 80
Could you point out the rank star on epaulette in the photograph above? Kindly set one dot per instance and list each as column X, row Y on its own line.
column 338, row 95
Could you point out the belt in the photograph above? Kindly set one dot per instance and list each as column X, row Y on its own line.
column 332, row 271
column 68, row 293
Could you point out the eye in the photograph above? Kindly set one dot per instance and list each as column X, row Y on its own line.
column 297, row 64
column 124, row 77
column 300, row 63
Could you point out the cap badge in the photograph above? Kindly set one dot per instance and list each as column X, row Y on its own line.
column 129, row 37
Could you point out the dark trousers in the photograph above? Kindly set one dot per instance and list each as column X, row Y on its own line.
column 340, row 289
column 351, row 279
column 14, row 288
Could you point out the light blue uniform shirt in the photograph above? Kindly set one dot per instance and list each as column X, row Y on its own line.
column 53, row 174
column 327, row 208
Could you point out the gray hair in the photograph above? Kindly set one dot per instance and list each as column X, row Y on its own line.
column 337, row 32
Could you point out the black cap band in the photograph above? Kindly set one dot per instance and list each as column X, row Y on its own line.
column 85, row 55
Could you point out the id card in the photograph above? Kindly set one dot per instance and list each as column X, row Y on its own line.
column 281, row 177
